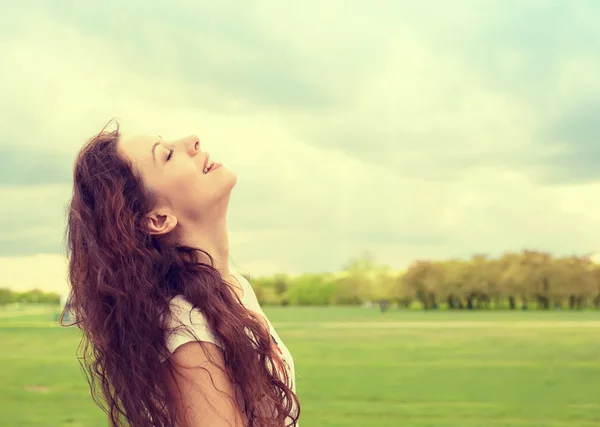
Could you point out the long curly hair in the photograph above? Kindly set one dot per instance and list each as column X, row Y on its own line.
column 122, row 279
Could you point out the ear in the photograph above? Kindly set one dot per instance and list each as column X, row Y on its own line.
column 160, row 222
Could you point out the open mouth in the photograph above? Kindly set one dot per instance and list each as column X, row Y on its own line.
column 209, row 165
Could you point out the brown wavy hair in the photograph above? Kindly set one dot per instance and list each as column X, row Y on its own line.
column 122, row 279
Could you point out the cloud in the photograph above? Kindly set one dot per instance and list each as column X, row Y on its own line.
column 40, row 166
column 47, row 272
column 576, row 138
column 416, row 130
column 33, row 219
column 226, row 49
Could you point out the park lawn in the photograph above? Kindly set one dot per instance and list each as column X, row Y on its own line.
column 357, row 314
column 497, row 374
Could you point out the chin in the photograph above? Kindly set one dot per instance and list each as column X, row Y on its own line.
column 231, row 177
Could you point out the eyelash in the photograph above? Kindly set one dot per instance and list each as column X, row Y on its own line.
column 170, row 155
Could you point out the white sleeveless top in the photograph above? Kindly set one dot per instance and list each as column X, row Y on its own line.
column 183, row 313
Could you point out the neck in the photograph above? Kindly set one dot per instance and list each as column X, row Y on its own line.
column 211, row 238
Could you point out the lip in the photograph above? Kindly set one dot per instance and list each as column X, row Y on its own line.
column 206, row 156
column 216, row 166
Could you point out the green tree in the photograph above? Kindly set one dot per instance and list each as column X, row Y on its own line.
column 355, row 284
column 6, row 296
column 425, row 279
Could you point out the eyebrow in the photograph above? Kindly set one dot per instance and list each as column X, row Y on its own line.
column 154, row 146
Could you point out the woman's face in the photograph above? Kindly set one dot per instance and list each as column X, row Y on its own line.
column 174, row 171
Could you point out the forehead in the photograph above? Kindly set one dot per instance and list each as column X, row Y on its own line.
column 138, row 147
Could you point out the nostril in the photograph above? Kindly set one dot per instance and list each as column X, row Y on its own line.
column 197, row 145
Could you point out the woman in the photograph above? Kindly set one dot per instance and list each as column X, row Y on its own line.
column 172, row 332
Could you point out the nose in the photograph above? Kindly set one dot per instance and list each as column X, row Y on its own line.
column 192, row 144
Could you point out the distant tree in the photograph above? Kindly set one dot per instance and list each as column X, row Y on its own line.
column 281, row 283
column 573, row 281
column 536, row 273
column 401, row 292
column 452, row 287
column 356, row 284
column 509, row 278
column 312, row 289
column 6, row 296
column 595, row 281
column 425, row 279
column 476, row 281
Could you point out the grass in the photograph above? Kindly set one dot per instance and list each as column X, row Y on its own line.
column 493, row 369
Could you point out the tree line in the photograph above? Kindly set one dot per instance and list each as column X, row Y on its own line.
column 529, row 279
column 516, row 280
column 34, row 296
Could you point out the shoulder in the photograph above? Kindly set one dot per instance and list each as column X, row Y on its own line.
column 186, row 323
column 249, row 294
column 202, row 388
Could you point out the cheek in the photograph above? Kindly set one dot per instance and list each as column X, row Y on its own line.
column 180, row 184
column 188, row 184
column 201, row 189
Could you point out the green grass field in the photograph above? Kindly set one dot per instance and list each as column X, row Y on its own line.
column 358, row 368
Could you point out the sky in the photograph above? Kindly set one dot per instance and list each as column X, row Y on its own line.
column 414, row 130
